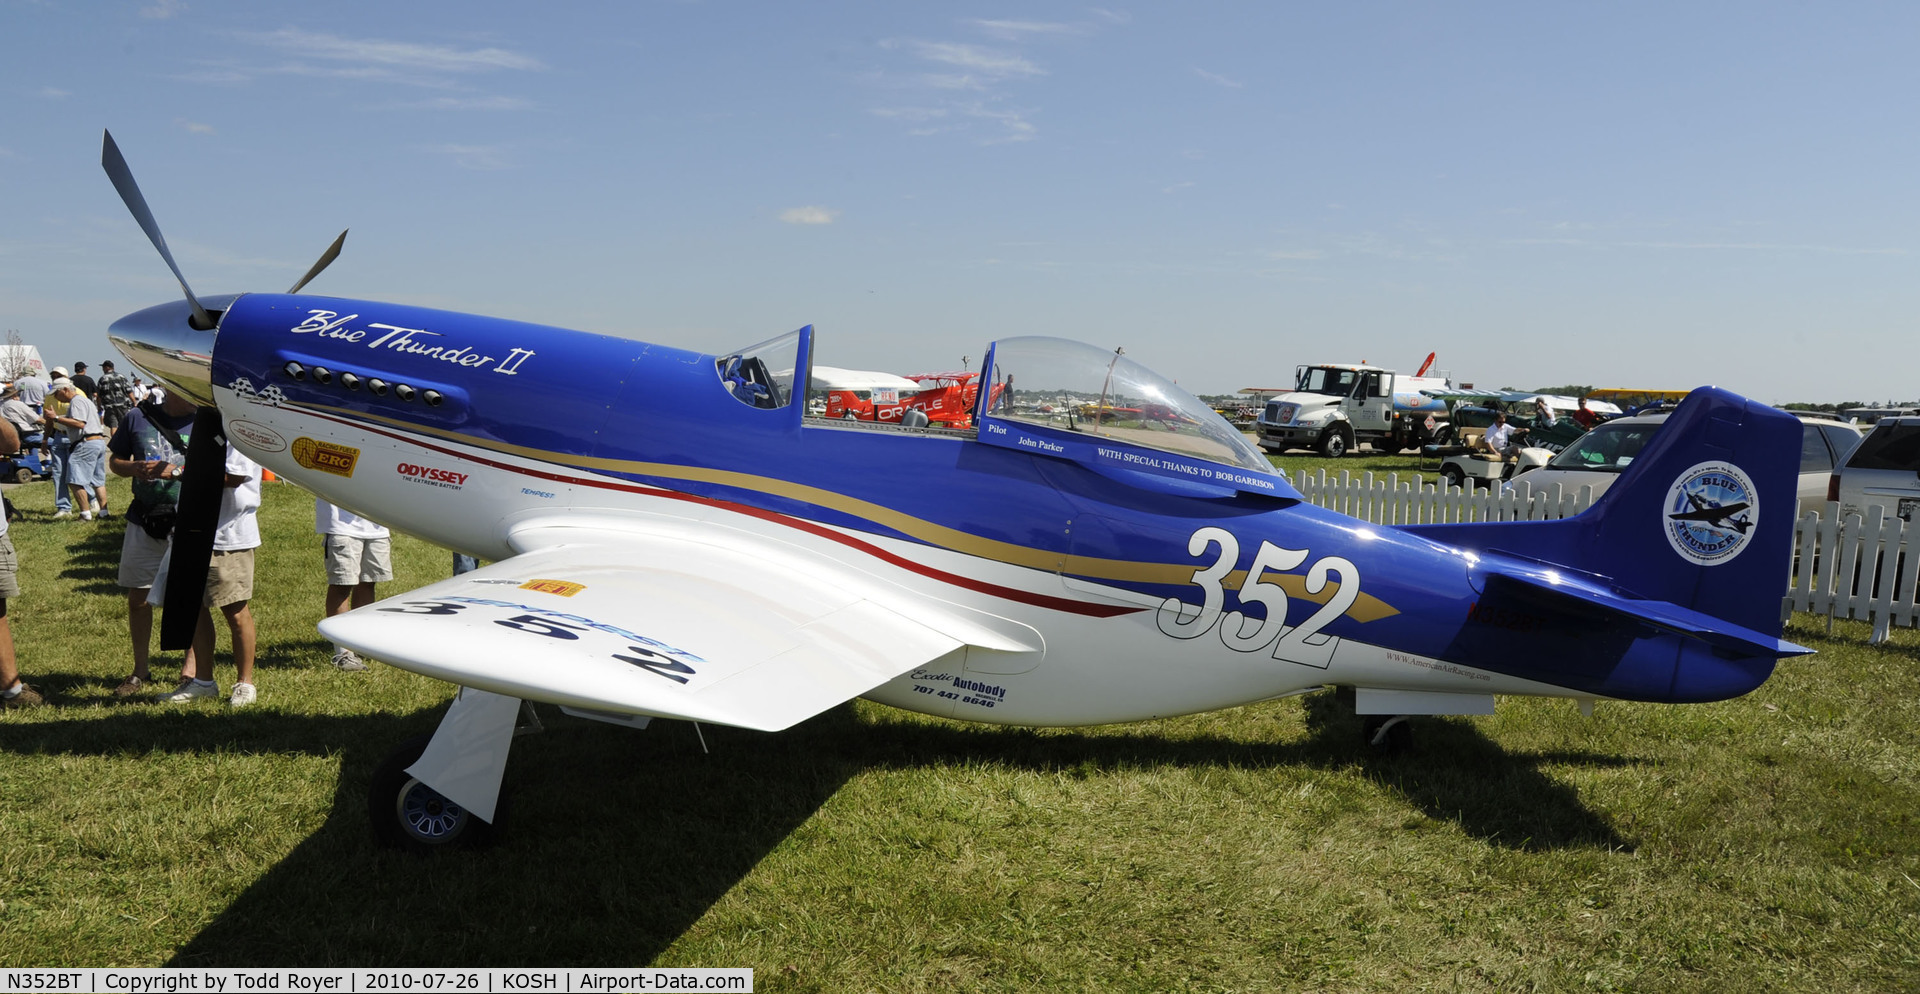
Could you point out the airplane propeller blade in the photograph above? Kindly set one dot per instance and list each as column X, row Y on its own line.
column 326, row 259
column 116, row 166
column 202, row 481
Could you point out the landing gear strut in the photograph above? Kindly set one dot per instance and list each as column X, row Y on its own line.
column 407, row 814
column 442, row 791
column 1387, row 734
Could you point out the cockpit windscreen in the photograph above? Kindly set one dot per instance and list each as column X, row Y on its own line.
column 1077, row 387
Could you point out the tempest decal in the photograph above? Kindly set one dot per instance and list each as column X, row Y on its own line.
column 1301, row 643
column 563, row 588
column 325, row 456
column 406, row 341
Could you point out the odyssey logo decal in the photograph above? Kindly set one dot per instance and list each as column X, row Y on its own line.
column 1710, row 513
column 257, row 435
column 416, row 342
column 325, row 456
column 431, row 476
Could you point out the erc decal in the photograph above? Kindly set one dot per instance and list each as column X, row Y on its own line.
column 258, row 436
column 563, row 588
column 1710, row 512
column 416, row 342
column 325, row 456
column 1301, row 643
column 431, row 476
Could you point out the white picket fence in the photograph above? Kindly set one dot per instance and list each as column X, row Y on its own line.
column 1856, row 568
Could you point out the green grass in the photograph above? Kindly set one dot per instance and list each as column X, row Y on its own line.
column 1766, row 843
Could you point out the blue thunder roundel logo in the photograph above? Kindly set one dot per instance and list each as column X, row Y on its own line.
column 1710, row 513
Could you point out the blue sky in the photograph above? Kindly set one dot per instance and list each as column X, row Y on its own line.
column 1652, row 195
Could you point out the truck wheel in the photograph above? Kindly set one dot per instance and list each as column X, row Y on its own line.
column 1333, row 443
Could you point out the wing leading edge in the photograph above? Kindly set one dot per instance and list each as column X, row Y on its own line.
column 668, row 626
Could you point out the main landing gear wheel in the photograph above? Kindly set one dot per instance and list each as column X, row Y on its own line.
column 409, row 815
column 1387, row 734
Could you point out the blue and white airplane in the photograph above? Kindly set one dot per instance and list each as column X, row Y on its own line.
column 672, row 535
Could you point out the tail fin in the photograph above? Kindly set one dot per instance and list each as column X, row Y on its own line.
column 1702, row 520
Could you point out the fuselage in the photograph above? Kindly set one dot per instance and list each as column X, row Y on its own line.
column 1151, row 593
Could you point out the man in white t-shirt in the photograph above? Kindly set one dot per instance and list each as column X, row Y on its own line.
column 86, row 448
column 229, row 587
column 359, row 554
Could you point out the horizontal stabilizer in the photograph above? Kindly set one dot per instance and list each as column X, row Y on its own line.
column 1683, row 621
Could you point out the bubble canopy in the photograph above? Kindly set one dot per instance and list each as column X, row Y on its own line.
column 1084, row 390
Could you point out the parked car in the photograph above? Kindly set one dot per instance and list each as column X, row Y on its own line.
column 1884, row 469
column 1601, row 455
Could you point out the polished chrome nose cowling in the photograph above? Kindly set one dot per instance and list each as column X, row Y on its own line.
column 163, row 343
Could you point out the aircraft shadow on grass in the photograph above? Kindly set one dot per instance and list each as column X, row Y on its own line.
column 620, row 843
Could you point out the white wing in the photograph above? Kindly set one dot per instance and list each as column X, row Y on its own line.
column 679, row 626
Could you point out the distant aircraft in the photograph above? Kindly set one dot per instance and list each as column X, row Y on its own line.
column 673, row 536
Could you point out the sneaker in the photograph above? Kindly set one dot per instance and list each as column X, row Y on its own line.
column 130, row 687
column 57, row 515
column 191, row 690
column 103, row 514
column 86, row 515
column 26, row 698
column 243, row 695
column 348, row 660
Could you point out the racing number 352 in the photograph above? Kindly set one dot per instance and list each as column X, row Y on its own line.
column 1302, row 643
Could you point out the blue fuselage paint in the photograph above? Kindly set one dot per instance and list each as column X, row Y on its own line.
column 627, row 410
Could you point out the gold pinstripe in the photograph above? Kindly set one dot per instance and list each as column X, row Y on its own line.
column 1365, row 608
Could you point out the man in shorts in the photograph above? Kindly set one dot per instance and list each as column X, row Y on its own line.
column 229, row 588
column 359, row 554
column 150, row 447
column 86, row 447
column 13, row 692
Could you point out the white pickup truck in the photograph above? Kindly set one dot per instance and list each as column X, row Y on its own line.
column 1335, row 406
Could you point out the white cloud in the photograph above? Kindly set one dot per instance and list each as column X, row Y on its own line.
column 1177, row 186
column 990, row 64
column 397, row 54
column 1116, row 16
column 465, row 103
column 909, row 113
column 809, row 215
column 482, row 158
column 1217, row 79
column 1018, row 128
column 193, row 127
column 54, row 93
column 161, row 10
column 1020, row 30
